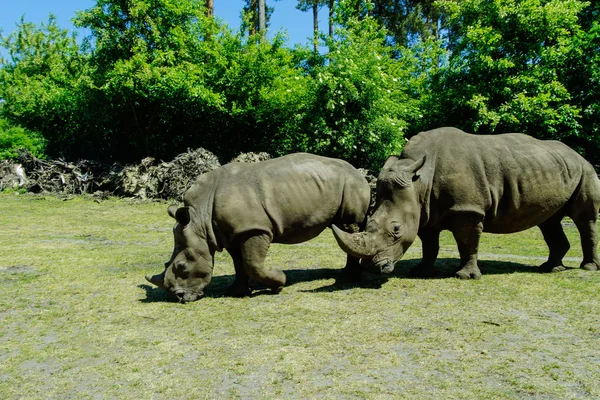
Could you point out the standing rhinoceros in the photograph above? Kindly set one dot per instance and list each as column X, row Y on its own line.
column 246, row 207
column 469, row 184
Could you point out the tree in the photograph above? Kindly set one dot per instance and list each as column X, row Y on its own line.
column 504, row 71
column 210, row 8
column 256, row 16
column 41, row 83
column 152, row 65
column 581, row 77
column 409, row 20
column 362, row 100
column 315, row 6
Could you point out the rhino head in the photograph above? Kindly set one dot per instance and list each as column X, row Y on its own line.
column 190, row 268
column 394, row 224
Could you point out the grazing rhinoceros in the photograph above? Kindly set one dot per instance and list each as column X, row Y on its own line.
column 246, row 207
column 469, row 184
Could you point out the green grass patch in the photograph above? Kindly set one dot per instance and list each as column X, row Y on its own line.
column 78, row 320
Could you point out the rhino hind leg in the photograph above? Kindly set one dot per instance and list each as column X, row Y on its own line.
column 467, row 231
column 431, row 247
column 240, row 286
column 254, row 251
column 588, row 230
column 557, row 242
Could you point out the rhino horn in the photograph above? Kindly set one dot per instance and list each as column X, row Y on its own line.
column 355, row 244
column 157, row 280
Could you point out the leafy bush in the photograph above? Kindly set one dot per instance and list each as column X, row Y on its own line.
column 360, row 100
column 13, row 138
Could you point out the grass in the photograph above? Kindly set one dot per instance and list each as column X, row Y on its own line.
column 77, row 319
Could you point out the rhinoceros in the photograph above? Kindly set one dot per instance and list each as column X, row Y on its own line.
column 243, row 208
column 446, row 179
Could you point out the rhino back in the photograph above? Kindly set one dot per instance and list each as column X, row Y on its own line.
column 514, row 180
column 293, row 198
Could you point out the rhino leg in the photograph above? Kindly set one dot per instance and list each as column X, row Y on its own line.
column 558, row 245
column 467, row 231
column 430, row 240
column 352, row 272
column 254, row 251
column 239, row 287
column 588, row 230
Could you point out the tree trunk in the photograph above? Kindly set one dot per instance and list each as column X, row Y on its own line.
column 316, row 25
column 331, row 18
column 210, row 8
column 253, row 13
column 262, row 24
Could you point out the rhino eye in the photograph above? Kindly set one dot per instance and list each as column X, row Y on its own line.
column 180, row 266
column 397, row 230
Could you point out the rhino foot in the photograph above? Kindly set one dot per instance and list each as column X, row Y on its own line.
column 468, row 273
column 238, row 290
column 589, row 266
column 277, row 290
column 552, row 267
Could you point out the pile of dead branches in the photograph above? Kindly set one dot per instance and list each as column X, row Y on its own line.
column 146, row 180
column 12, row 176
column 251, row 157
column 59, row 176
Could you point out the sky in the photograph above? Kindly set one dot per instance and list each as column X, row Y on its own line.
column 285, row 17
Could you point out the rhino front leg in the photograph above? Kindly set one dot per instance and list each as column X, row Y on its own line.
column 254, row 252
column 588, row 230
column 239, row 287
column 557, row 242
column 430, row 239
column 467, row 231
column 352, row 272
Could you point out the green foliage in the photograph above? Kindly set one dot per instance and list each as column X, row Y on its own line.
column 409, row 20
column 582, row 79
column 264, row 93
column 152, row 64
column 39, row 83
column 361, row 101
column 504, row 72
column 156, row 77
column 13, row 138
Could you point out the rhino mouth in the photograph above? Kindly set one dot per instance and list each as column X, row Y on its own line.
column 380, row 267
column 186, row 296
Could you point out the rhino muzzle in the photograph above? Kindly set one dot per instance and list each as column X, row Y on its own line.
column 382, row 267
column 184, row 296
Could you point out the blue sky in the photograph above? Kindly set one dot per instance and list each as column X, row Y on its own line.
column 286, row 17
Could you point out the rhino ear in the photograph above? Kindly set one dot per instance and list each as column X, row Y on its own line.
column 390, row 160
column 417, row 165
column 181, row 214
column 172, row 210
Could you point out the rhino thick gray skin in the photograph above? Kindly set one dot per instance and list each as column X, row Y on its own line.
column 243, row 208
column 446, row 179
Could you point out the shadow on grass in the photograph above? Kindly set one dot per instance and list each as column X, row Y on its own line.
column 155, row 294
column 446, row 268
column 368, row 281
column 219, row 284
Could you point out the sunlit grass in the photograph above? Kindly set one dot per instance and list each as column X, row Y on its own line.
column 79, row 321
